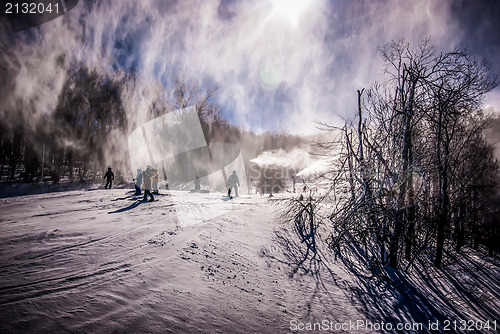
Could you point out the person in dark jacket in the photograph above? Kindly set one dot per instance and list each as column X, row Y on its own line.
column 138, row 182
column 197, row 187
column 146, row 177
column 233, row 182
column 109, row 176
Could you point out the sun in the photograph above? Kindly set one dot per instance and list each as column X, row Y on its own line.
column 291, row 9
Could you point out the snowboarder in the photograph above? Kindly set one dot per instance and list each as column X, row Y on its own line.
column 233, row 182
column 109, row 176
column 138, row 182
column 197, row 184
column 156, row 178
column 146, row 175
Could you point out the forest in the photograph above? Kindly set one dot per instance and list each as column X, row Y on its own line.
column 414, row 176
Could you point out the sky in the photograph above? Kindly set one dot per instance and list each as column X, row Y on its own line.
column 280, row 65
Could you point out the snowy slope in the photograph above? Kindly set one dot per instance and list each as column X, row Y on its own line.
column 97, row 261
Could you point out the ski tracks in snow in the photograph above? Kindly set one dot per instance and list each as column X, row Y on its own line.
column 186, row 263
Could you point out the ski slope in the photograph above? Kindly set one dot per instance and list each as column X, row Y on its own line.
column 99, row 261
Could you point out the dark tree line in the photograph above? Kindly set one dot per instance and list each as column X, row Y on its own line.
column 415, row 177
column 88, row 129
column 72, row 141
column 90, row 107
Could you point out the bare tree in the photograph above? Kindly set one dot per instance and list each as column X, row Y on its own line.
column 190, row 93
column 400, row 177
column 456, row 85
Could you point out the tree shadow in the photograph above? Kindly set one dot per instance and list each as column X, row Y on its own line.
column 464, row 289
column 387, row 297
column 467, row 285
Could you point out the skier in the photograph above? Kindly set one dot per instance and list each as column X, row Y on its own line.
column 146, row 175
column 233, row 182
column 197, row 184
column 156, row 178
column 138, row 182
column 109, row 176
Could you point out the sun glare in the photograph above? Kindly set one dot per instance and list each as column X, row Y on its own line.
column 291, row 9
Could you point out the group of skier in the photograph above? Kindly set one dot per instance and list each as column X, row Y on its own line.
column 150, row 179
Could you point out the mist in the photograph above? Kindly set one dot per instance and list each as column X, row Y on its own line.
column 279, row 68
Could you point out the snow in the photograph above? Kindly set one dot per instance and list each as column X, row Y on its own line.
column 314, row 170
column 99, row 261
column 295, row 159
